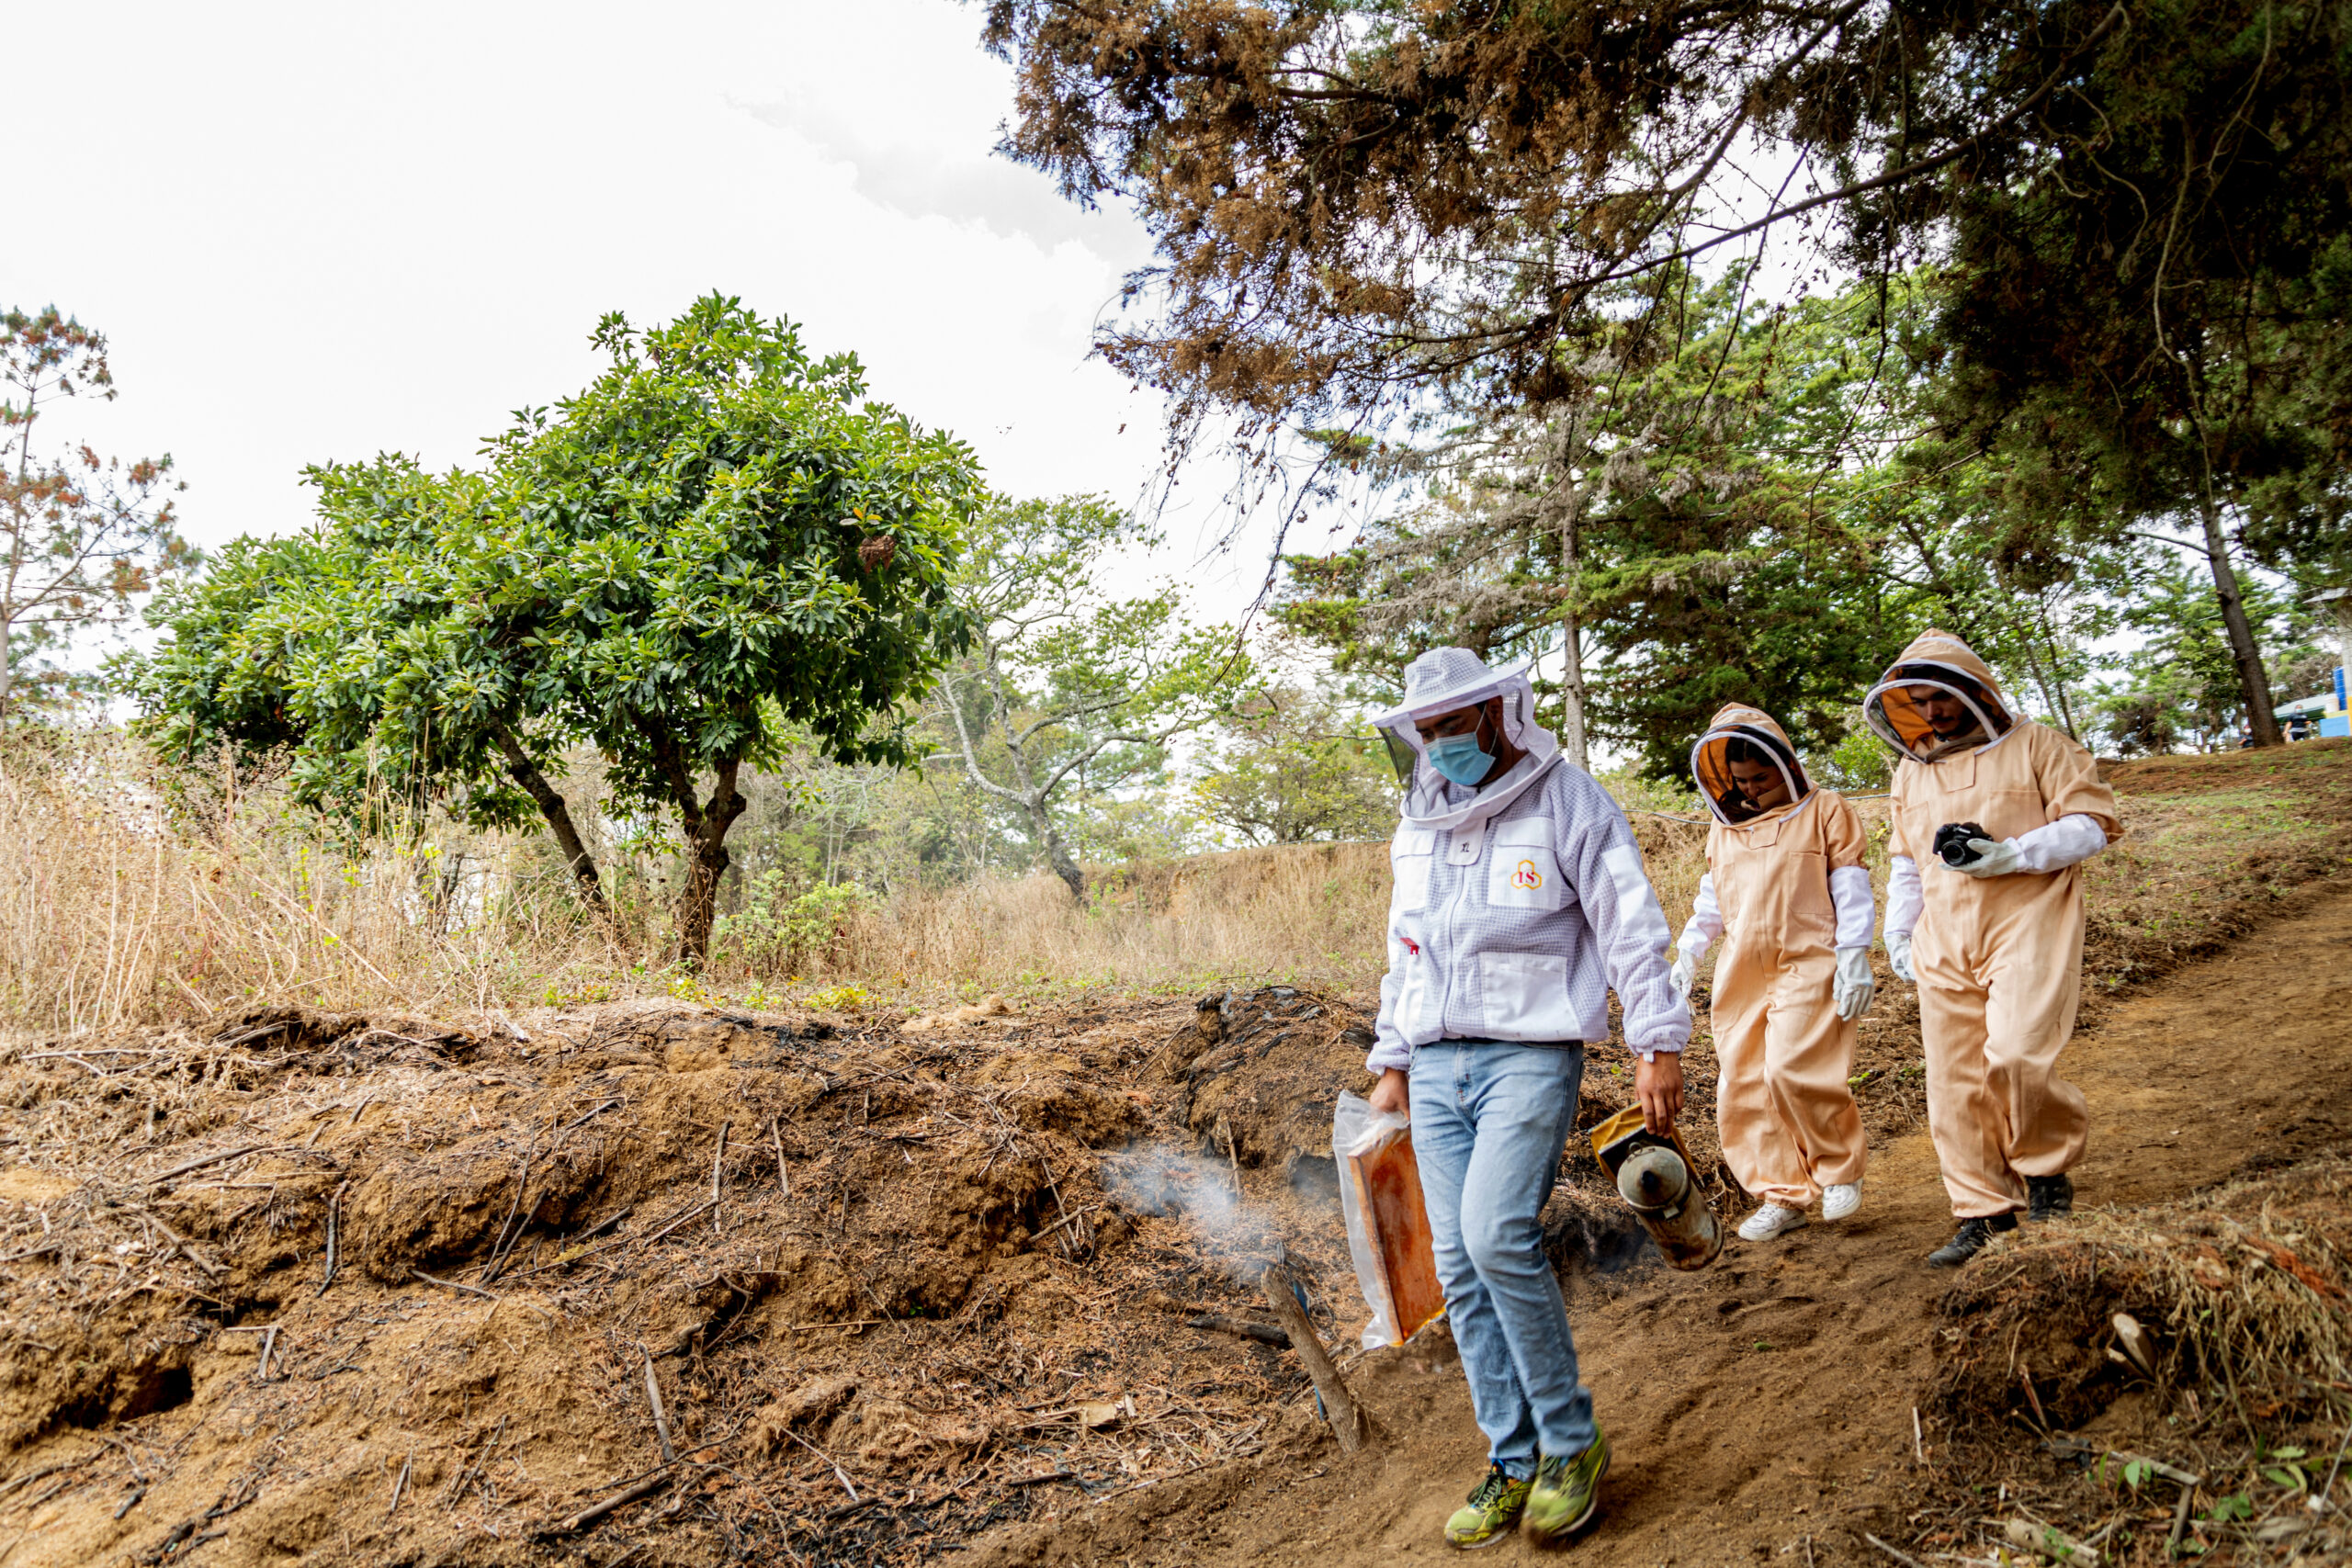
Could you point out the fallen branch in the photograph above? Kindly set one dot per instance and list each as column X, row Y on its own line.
column 211, row 1269
column 183, row 1169
column 839, row 1473
column 654, row 1397
column 334, row 1209
column 1264, row 1332
column 456, row 1285
column 1338, row 1404
column 618, row 1500
column 1908, row 1561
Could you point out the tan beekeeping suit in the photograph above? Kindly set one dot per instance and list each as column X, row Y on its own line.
column 1787, row 1117
column 1999, row 959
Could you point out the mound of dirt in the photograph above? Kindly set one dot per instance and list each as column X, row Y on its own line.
column 2248, row 1285
column 299, row 1282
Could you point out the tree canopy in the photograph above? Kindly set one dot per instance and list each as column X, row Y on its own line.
column 1067, row 683
column 82, row 538
column 719, row 539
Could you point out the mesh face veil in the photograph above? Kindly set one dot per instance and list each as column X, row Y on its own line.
column 1747, row 730
column 1442, row 680
column 1898, row 717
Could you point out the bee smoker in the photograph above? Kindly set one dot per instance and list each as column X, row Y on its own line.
column 1654, row 1175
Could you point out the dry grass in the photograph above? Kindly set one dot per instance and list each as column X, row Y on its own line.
column 1308, row 914
column 114, row 912
column 112, row 916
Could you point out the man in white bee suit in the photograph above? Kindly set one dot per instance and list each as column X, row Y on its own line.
column 1520, row 901
column 1988, row 923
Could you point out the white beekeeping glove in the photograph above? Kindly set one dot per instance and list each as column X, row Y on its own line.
column 1855, row 984
column 1994, row 858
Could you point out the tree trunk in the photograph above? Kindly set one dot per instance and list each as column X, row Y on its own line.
column 1057, row 853
column 1570, row 452
column 1572, row 736
column 706, row 861
column 2254, row 682
column 552, row 805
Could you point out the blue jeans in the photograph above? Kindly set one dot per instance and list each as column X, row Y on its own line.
column 1489, row 1121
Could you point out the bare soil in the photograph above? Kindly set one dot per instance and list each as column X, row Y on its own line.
column 941, row 1301
column 1763, row 1409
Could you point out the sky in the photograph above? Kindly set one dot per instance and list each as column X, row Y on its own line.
column 315, row 234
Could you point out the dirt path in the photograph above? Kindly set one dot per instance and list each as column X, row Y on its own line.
column 1763, row 1409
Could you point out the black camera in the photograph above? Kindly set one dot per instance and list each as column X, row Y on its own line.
column 1952, row 843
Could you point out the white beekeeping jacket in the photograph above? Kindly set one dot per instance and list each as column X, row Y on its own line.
column 1519, row 907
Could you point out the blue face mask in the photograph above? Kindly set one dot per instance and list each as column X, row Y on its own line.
column 1459, row 758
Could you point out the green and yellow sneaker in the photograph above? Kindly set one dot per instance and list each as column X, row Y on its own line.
column 1565, row 1494
column 1493, row 1509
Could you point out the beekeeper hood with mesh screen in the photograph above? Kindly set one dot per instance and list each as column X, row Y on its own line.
column 1740, row 733
column 1435, row 773
column 1912, row 707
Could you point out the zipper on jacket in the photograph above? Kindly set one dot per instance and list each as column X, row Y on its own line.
column 1453, row 919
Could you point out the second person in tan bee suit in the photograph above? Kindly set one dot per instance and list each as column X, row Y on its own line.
column 1787, row 890
column 1992, row 933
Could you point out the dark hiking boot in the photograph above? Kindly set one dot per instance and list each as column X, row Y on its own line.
column 1969, row 1239
column 2049, row 1197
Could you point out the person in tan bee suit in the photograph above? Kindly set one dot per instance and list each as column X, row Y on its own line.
column 1990, row 927
column 1786, row 885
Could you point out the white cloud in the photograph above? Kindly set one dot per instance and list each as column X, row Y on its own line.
column 317, row 233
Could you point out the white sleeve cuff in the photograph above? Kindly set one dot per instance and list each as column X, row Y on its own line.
column 1706, row 923
column 2067, row 841
column 1904, row 899
column 1850, row 892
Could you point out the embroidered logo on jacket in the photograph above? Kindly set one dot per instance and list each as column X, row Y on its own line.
column 1527, row 876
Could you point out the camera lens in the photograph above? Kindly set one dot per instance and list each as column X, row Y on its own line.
column 1952, row 843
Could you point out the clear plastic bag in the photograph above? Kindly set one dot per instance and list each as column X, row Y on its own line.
column 1388, row 1229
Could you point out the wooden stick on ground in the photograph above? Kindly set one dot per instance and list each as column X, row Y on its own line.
column 660, row 1420
column 456, row 1285
column 718, row 1160
column 1908, row 1561
column 621, row 1499
column 207, row 1160
column 839, row 1473
column 1218, row 1323
column 268, row 1343
column 1338, row 1404
column 334, row 1207
column 783, row 1179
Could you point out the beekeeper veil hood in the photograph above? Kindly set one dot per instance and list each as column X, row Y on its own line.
column 1439, row 682
column 1740, row 733
column 1941, row 661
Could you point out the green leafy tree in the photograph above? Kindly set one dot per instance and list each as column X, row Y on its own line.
column 1292, row 768
column 84, row 537
column 720, row 542
column 1071, row 691
column 2181, row 684
column 2139, row 210
column 1739, row 506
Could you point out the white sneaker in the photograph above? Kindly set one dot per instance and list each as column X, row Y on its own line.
column 1770, row 1221
column 1841, row 1200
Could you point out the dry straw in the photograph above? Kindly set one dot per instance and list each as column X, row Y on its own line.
column 116, row 912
